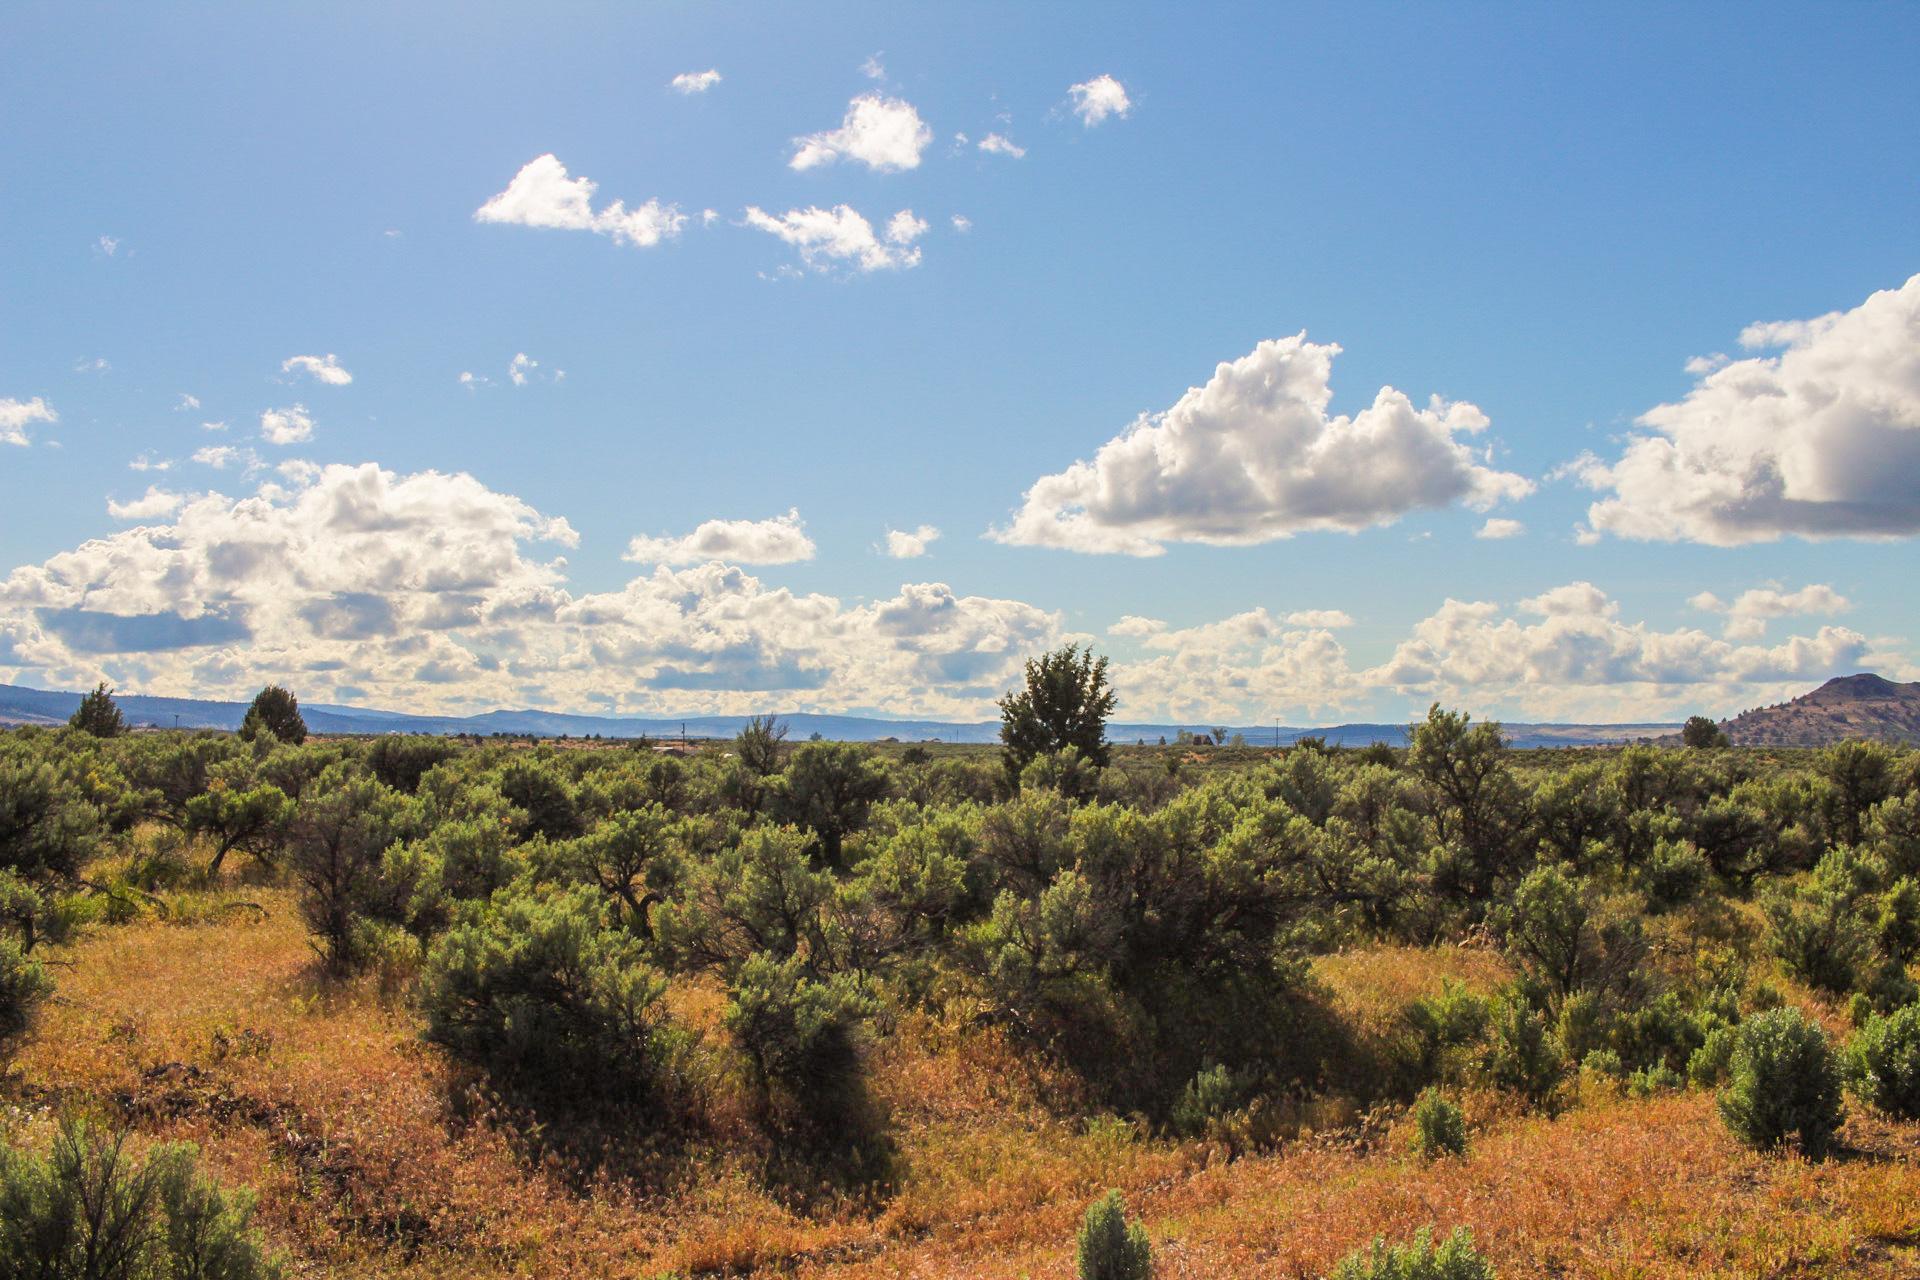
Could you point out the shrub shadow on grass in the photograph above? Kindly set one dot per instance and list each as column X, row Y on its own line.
column 834, row 1151
column 585, row 1134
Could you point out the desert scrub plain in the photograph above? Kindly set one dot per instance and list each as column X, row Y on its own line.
column 476, row 1010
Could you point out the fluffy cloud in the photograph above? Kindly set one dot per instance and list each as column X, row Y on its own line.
column 781, row 540
column 325, row 369
column 222, row 456
column 1580, row 660
column 1563, row 655
column 1000, row 145
column 962, row 223
column 885, row 134
column 433, row 592
column 902, row 545
column 1819, row 441
column 826, row 237
column 1749, row 612
column 152, row 505
column 290, row 425
column 542, row 195
column 1498, row 528
column 1096, row 99
column 17, row 415
column 1250, row 665
column 1253, row 456
column 694, row 81
column 422, row 591
column 187, row 402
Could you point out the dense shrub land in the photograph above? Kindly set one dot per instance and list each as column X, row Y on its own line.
column 411, row 1006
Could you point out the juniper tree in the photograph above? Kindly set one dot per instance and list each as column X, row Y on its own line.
column 277, row 712
column 1065, row 703
column 99, row 715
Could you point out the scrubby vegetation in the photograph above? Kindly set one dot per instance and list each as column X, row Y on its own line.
column 452, row 1007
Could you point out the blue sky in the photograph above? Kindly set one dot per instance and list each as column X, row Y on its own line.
column 1541, row 212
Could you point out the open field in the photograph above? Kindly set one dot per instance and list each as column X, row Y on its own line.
column 220, row 1030
column 1215, row 980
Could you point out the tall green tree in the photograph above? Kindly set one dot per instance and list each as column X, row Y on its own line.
column 1699, row 731
column 99, row 714
column 278, row 712
column 1065, row 703
column 759, row 743
column 829, row 787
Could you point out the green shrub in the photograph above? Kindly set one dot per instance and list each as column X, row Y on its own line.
column 1673, row 874
column 1883, row 1063
column 1110, row 1247
column 1603, row 1062
column 540, row 991
column 1708, row 1065
column 24, row 987
column 90, row 1211
column 1444, row 1028
column 1782, row 1081
column 1419, row 1259
column 337, row 842
column 1521, row 1055
column 1439, row 1126
column 799, row 1031
column 1658, row 1078
column 1209, row 1098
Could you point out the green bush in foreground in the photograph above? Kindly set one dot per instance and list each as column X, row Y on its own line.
column 89, row 1211
column 1439, row 1126
column 1782, row 1081
column 542, row 993
column 1421, row 1259
column 1110, row 1247
column 24, row 986
column 1883, row 1063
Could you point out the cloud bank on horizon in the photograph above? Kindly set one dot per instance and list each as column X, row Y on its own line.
column 431, row 591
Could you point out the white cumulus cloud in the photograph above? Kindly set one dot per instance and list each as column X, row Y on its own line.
column 152, row 505
column 1000, row 145
column 902, row 544
column 841, row 236
column 780, row 540
column 290, row 425
column 222, row 456
column 1253, row 455
column 17, row 415
column 543, row 195
column 1096, row 99
column 1499, row 527
column 1819, row 441
column 1749, row 612
column 326, row 369
column 690, row 82
column 885, row 134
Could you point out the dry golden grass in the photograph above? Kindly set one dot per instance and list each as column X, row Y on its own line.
column 367, row 1163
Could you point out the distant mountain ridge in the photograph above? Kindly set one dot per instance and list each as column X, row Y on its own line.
column 1856, row 706
column 19, row 705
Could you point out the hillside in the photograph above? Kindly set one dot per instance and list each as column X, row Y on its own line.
column 1856, row 706
column 19, row 705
